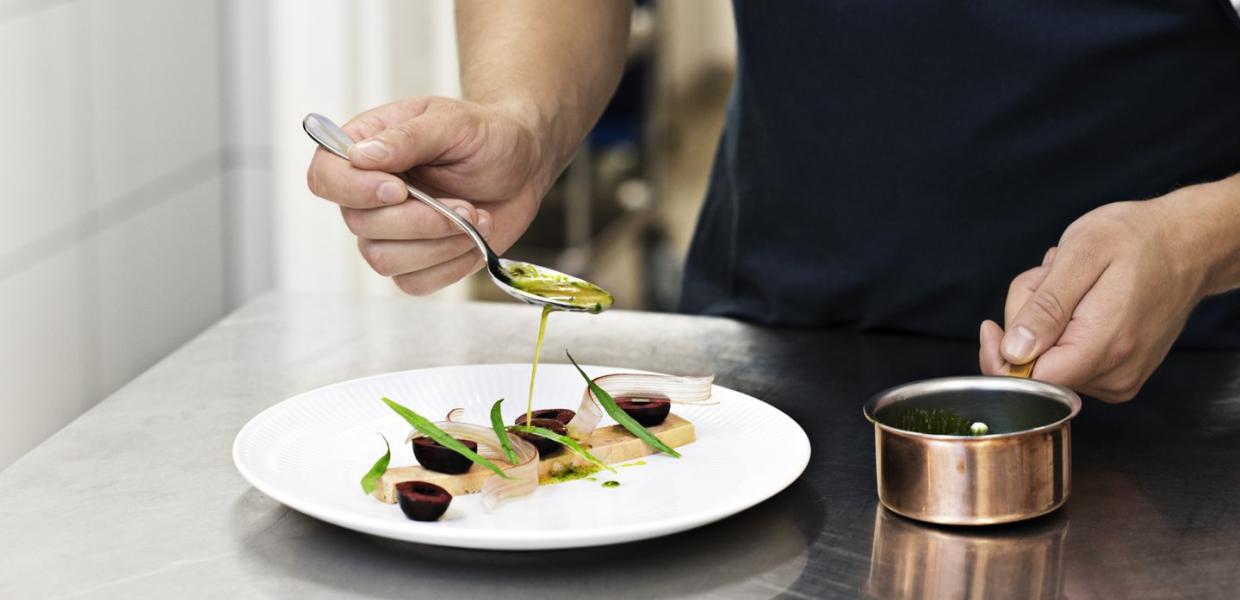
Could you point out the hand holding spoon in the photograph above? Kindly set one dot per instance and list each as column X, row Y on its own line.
column 526, row 282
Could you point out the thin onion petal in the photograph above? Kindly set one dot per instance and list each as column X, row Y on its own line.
column 680, row 390
column 524, row 474
column 455, row 414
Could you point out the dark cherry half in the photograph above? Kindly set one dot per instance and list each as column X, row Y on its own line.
column 562, row 415
column 648, row 411
column 422, row 500
column 545, row 446
column 432, row 455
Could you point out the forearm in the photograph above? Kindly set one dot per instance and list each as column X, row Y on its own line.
column 1210, row 231
column 554, row 63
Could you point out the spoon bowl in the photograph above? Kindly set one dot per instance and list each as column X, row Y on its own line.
column 529, row 283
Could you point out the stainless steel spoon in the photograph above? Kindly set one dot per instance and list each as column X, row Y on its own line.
column 509, row 275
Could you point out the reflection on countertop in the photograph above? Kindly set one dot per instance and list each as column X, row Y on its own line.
column 923, row 561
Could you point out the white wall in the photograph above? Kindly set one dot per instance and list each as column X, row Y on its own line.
column 135, row 174
column 339, row 57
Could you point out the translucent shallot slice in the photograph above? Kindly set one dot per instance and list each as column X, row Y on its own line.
column 678, row 389
column 523, row 475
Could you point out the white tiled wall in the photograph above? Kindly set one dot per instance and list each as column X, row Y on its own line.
column 133, row 192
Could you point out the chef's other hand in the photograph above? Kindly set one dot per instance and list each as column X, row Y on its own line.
column 1105, row 306
column 483, row 160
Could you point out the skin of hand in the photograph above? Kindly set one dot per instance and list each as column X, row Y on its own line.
column 535, row 76
column 1104, row 307
column 483, row 161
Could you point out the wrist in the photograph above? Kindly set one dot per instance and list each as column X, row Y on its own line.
column 1209, row 232
column 545, row 134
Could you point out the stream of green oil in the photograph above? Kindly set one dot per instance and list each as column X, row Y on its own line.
column 542, row 329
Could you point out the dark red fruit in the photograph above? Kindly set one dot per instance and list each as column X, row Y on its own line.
column 648, row 411
column 562, row 415
column 432, row 455
column 545, row 446
column 422, row 500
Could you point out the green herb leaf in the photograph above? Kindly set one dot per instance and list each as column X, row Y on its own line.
column 372, row 476
column 563, row 439
column 622, row 417
column 497, row 423
column 429, row 429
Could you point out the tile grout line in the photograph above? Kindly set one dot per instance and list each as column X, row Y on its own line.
column 101, row 218
column 218, row 162
column 228, row 177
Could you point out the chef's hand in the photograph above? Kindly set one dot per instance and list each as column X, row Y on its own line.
column 485, row 161
column 1105, row 306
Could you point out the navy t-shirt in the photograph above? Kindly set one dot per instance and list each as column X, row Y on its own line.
column 893, row 164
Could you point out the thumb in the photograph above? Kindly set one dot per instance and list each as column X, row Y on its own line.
column 417, row 141
column 1040, row 322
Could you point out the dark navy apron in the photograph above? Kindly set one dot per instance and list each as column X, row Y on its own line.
column 893, row 164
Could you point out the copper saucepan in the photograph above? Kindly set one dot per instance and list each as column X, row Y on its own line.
column 1020, row 470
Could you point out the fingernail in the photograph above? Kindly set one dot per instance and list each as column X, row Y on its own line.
column 391, row 192
column 1018, row 344
column 372, row 149
column 484, row 223
column 464, row 212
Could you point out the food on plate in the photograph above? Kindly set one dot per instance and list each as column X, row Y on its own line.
column 557, row 444
column 546, row 446
column 422, row 500
column 562, row 415
column 610, row 445
column 437, row 457
column 649, row 411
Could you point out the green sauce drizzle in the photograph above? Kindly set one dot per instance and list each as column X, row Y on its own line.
column 542, row 329
column 572, row 473
column 611, row 484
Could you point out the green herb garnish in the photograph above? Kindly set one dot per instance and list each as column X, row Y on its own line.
column 563, row 439
column 497, row 423
column 622, row 417
column 372, row 476
column 429, row 429
column 939, row 421
column 611, row 484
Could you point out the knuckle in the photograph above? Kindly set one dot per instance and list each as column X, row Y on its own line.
column 1015, row 286
column 312, row 181
column 1045, row 305
column 405, row 133
column 353, row 220
column 374, row 256
column 1123, row 345
column 413, row 285
column 424, row 222
column 1121, row 387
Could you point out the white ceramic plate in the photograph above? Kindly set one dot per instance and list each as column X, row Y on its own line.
column 310, row 451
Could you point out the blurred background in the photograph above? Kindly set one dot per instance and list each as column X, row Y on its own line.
column 153, row 178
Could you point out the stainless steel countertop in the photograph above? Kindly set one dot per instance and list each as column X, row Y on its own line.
column 138, row 498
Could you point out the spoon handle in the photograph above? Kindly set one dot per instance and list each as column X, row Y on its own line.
column 1023, row 371
column 333, row 139
column 452, row 215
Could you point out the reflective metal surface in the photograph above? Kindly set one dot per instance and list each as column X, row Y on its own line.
column 139, row 499
column 1021, row 470
column 913, row 561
